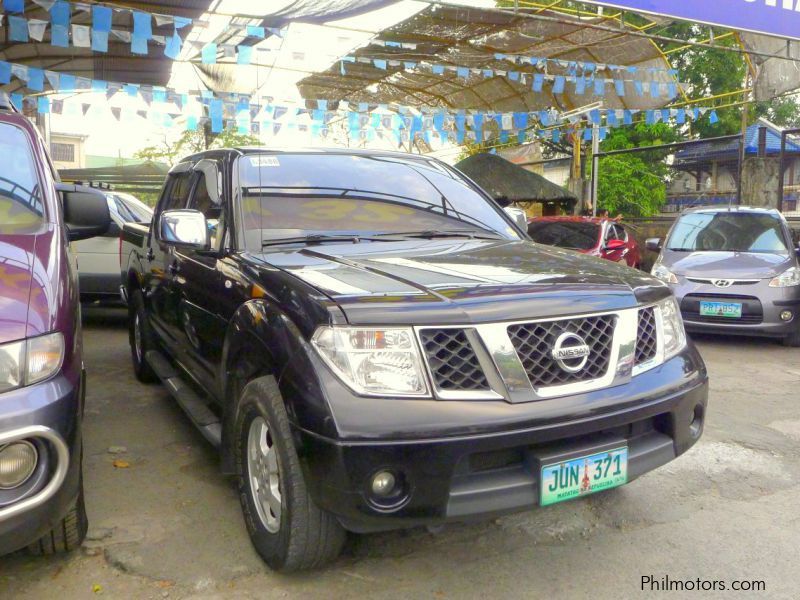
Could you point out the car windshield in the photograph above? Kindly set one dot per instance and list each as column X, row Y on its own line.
column 21, row 207
column 575, row 235
column 289, row 196
column 129, row 208
column 728, row 232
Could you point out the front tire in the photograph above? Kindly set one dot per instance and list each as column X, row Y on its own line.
column 287, row 529
column 141, row 339
column 793, row 339
column 68, row 533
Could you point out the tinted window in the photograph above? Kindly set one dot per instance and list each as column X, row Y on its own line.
column 565, row 234
column 178, row 191
column 616, row 232
column 201, row 200
column 129, row 208
column 21, row 207
column 728, row 232
column 285, row 195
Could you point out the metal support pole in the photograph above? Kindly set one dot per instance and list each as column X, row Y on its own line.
column 781, row 171
column 595, row 165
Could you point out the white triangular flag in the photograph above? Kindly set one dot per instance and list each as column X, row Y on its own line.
column 36, row 29
column 45, row 4
column 81, row 36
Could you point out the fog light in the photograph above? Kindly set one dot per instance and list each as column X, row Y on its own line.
column 696, row 424
column 786, row 315
column 383, row 484
column 17, row 463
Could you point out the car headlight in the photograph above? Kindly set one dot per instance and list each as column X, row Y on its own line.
column 30, row 361
column 672, row 327
column 373, row 361
column 661, row 272
column 789, row 278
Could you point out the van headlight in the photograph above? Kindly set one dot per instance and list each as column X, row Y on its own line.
column 789, row 278
column 373, row 361
column 661, row 272
column 671, row 327
column 29, row 361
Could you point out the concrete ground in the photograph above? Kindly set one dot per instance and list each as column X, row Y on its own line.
column 165, row 524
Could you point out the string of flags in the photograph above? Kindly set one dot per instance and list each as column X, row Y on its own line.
column 362, row 121
column 571, row 67
column 64, row 33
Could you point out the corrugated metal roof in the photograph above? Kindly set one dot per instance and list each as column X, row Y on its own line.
column 470, row 37
column 709, row 151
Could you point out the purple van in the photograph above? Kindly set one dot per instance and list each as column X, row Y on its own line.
column 41, row 365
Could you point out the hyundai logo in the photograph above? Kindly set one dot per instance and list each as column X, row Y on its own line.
column 722, row 283
column 570, row 352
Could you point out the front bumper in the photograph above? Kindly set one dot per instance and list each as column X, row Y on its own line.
column 486, row 473
column 762, row 307
column 49, row 414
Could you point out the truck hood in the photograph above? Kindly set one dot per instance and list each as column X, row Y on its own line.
column 727, row 265
column 462, row 281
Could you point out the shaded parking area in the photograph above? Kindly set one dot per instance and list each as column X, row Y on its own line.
column 165, row 523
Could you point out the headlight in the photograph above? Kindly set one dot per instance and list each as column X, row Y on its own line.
column 661, row 272
column 30, row 361
column 789, row 278
column 373, row 361
column 672, row 327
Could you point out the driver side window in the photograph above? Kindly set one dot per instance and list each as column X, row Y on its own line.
column 202, row 201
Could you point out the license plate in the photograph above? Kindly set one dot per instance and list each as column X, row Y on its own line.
column 585, row 475
column 732, row 310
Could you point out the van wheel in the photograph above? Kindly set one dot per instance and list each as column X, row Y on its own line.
column 68, row 533
column 287, row 529
column 793, row 339
column 141, row 339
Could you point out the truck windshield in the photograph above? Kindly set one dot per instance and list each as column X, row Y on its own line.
column 728, row 232
column 565, row 234
column 288, row 196
column 21, row 207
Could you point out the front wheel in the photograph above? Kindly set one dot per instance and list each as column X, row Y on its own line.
column 287, row 529
column 793, row 339
column 141, row 339
column 68, row 533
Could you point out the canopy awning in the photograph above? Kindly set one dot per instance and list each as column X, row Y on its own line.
column 473, row 37
column 509, row 183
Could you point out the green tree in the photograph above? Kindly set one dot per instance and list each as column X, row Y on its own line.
column 194, row 141
column 635, row 184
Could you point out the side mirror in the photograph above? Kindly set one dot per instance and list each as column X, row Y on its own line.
column 518, row 216
column 615, row 244
column 186, row 228
column 85, row 211
column 653, row 244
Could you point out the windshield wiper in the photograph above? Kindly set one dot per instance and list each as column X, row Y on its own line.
column 433, row 233
column 680, row 249
column 319, row 238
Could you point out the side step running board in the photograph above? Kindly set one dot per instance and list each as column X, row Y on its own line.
column 191, row 403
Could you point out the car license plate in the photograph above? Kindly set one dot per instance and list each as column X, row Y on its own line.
column 585, row 475
column 731, row 310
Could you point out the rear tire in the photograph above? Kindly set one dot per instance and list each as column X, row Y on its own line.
column 141, row 339
column 68, row 534
column 287, row 529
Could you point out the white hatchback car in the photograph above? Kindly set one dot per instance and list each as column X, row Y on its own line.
column 98, row 257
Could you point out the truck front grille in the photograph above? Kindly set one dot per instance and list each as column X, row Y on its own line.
column 534, row 343
column 452, row 360
column 647, row 336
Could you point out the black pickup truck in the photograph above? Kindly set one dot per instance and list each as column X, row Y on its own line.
column 373, row 343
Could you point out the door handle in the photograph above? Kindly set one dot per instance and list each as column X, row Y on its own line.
column 174, row 268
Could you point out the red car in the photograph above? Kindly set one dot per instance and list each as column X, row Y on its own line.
column 595, row 236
